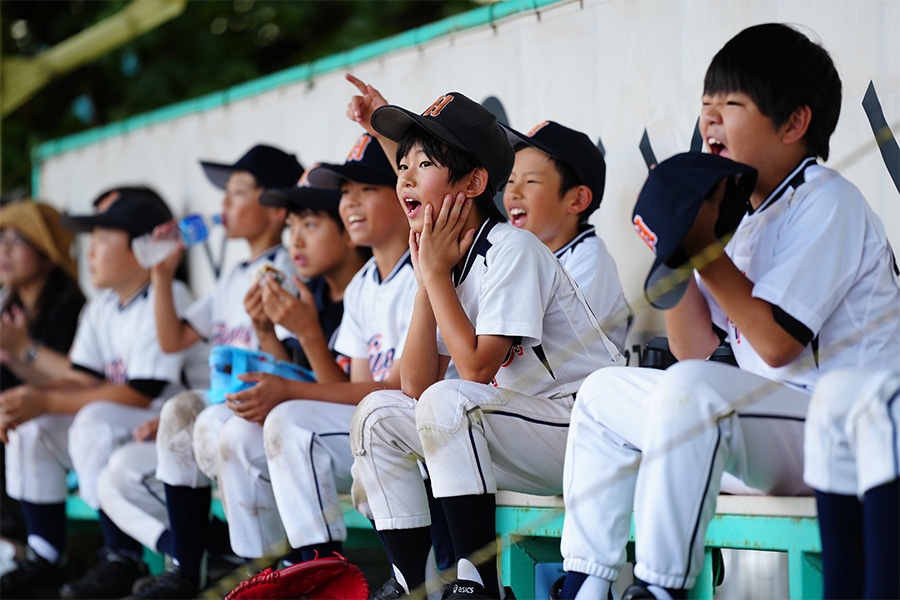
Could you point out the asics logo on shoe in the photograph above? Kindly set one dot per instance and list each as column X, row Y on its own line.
column 459, row 589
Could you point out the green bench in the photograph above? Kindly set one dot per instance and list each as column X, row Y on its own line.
column 530, row 528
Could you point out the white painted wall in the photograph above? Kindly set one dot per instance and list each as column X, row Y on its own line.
column 608, row 67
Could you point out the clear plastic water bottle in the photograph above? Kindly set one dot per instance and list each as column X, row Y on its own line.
column 191, row 230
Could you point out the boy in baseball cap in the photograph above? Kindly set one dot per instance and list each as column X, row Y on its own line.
column 219, row 318
column 117, row 379
column 804, row 286
column 307, row 457
column 496, row 300
column 555, row 185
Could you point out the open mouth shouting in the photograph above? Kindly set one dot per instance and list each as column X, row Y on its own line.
column 717, row 147
column 412, row 207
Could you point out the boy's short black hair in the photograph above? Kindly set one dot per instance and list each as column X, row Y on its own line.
column 568, row 179
column 458, row 162
column 781, row 70
column 305, row 211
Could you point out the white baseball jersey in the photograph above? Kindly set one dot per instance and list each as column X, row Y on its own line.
column 594, row 270
column 219, row 316
column 376, row 315
column 818, row 254
column 558, row 340
column 816, row 217
column 119, row 342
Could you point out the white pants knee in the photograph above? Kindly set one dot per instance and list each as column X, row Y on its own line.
column 254, row 525
column 387, row 482
column 308, row 451
column 176, row 462
column 98, row 429
column 852, row 442
column 474, row 438
column 131, row 495
column 37, row 459
column 658, row 441
column 478, row 438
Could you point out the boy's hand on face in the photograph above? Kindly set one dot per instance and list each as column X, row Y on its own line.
column 255, row 403
column 702, row 233
column 297, row 315
column 253, row 304
column 20, row 404
column 414, row 258
column 442, row 243
column 360, row 108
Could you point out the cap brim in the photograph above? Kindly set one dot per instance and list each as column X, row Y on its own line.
column 393, row 122
column 665, row 286
column 515, row 138
column 217, row 173
column 329, row 176
column 87, row 223
column 298, row 198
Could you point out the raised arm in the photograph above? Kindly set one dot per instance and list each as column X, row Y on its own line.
column 360, row 109
column 173, row 333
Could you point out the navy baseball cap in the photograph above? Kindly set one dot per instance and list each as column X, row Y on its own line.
column 668, row 206
column 366, row 163
column 272, row 168
column 137, row 210
column 460, row 122
column 573, row 148
column 302, row 196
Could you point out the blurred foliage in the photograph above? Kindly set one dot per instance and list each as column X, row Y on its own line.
column 214, row 44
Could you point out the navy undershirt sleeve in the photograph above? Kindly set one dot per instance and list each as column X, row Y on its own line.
column 149, row 387
column 795, row 328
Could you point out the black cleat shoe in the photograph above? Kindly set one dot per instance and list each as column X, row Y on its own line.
column 391, row 590
column 33, row 577
column 170, row 584
column 112, row 577
column 645, row 591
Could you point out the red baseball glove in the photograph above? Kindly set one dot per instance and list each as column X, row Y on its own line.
column 330, row 578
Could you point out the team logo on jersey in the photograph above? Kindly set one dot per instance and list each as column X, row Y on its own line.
column 359, row 149
column 439, row 105
column 537, row 128
column 116, row 371
column 380, row 359
column 241, row 336
column 645, row 232
column 511, row 354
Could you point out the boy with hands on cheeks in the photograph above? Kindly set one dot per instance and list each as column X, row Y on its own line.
column 519, row 331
